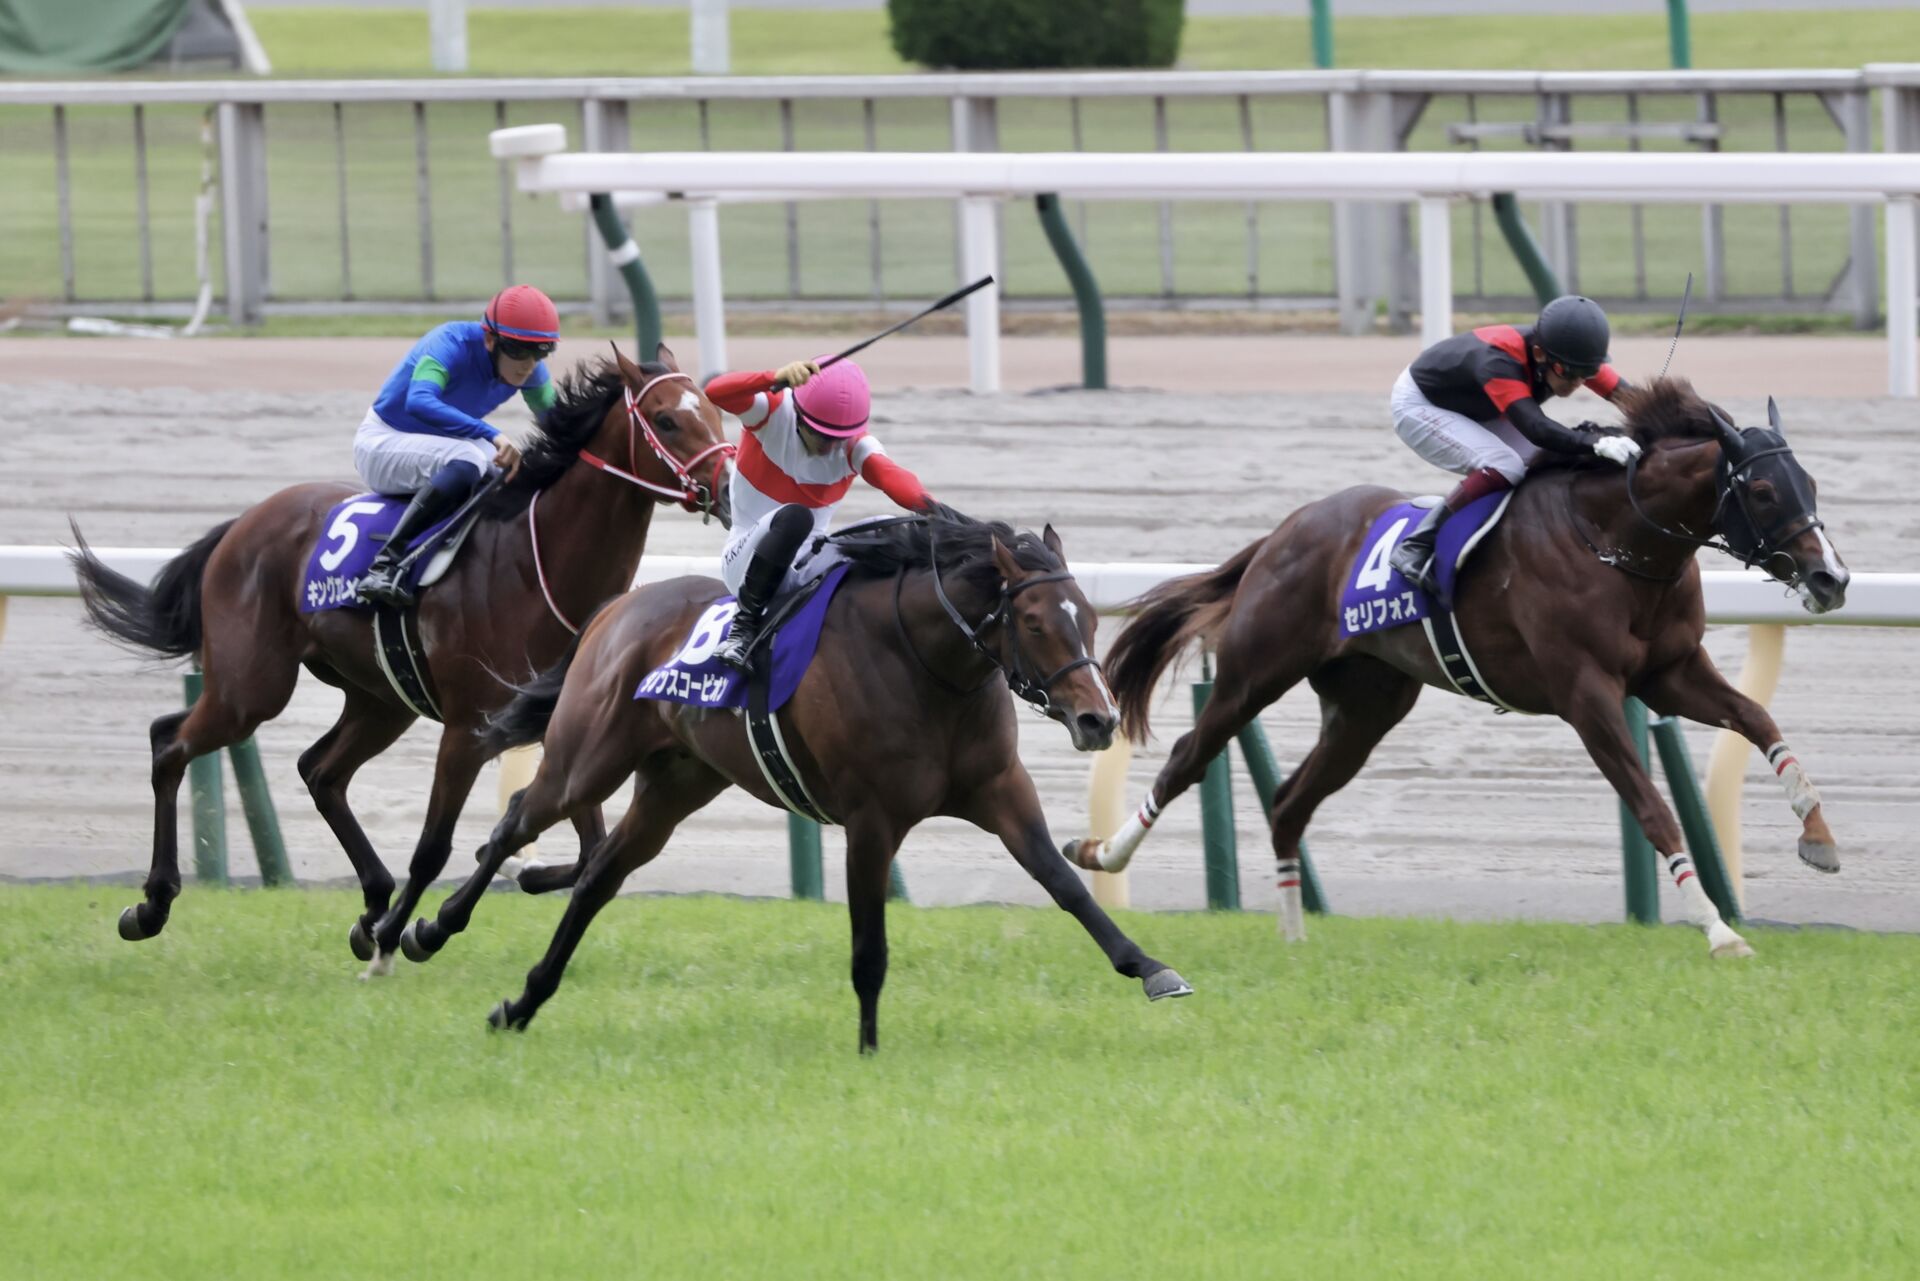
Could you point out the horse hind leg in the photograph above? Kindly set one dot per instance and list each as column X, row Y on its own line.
column 1246, row 681
column 665, row 796
column 215, row 721
column 366, row 728
column 1361, row 700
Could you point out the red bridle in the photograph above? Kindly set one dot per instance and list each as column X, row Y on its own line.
column 692, row 494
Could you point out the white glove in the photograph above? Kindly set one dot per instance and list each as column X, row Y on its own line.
column 795, row 373
column 1617, row 449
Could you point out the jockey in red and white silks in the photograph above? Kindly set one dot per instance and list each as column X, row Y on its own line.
column 798, row 457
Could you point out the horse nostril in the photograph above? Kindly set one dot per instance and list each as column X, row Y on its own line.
column 1094, row 725
column 1826, row 586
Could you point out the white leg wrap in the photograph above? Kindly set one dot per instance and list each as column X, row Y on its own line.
column 1293, row 920
column 1118, row 852
column 1801, row 793
column 1700, row 910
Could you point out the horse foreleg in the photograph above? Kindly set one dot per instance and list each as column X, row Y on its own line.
column 1593, row 709
column 1695, row 689
column 366, row 728
column 871, row 846
column 458, row 765
column 1010, row 809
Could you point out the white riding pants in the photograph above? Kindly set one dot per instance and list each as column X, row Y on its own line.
column 1456, row 442
column 402, row 462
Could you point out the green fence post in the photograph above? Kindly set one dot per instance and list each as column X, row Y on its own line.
column 1636, row 851
column 803, row 858
column 1266, row 784
column 257, row 803
column 209, row 808
column 626, row 256
column 1679, row 38
column 1703, row 843
column 1086, row 292
column 1216, row 815
column 897, row 883
column 1323, row 34
column 1506, row 211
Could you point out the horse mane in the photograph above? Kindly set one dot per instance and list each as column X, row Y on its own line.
column 964, row 547
column 1659, row 410
column 581, row 401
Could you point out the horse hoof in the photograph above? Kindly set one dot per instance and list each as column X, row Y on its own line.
column 502, row 1020
column 379, row 967
column 360, row 941
column 130, row 928
column 1819, row 857
column 1083, row 853
column 1162, row 984
column 1732, row 948
column 414, row 941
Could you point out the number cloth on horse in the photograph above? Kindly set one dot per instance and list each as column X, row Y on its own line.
column 355, row 530
column 1377, row 596
column 694, row 676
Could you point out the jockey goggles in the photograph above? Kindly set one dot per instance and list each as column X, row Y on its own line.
column 519, row 349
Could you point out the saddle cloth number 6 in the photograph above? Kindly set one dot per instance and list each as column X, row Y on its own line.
column 707, row 634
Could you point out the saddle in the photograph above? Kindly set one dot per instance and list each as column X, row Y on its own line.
column 354, row 529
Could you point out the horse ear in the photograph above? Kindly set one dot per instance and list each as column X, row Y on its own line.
column 1773, row 417
column 1003, row 561
column 628, row 370
column 664, row 354
column 1052, row 540
column 1729, row 434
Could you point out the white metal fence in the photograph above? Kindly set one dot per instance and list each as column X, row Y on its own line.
column 365, row 194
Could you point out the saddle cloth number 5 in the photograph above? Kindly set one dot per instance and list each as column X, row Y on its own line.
column 1374, row 571
column 707, row 634
column 347, row 532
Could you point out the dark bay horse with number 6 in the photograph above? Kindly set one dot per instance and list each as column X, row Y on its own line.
column 1586, row 592
column 902, row 715
column 554, row 544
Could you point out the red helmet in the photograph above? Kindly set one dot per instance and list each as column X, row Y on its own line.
column 523, row 312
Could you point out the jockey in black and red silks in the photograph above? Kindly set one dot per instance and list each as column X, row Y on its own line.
column 1471, row 404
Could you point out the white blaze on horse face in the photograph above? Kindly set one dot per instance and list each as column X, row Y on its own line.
column 689, row 402
column 1080, row 643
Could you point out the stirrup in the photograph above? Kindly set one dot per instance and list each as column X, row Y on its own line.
column 385, row 585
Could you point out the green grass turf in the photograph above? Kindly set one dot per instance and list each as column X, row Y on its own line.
column 1395, row 1099
column 1292, row 247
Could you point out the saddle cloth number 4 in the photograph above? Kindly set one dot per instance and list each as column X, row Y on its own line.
column 707, row 634
column 1374, row 571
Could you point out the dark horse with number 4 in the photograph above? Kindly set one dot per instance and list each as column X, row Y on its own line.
column 1586, row 592
column 902, row 715
column 232, row 601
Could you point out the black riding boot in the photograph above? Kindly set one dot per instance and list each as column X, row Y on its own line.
column 771, row 560
column 1413, row 555
column 383, row 583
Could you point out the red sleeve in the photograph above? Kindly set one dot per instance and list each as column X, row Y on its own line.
column 735, row 392
column 896, row 482
column 1604, row 383
column 1503, row 392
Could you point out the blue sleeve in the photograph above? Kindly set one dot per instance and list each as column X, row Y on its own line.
column 425, row 404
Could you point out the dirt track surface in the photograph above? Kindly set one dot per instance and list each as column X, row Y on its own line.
column 1459, row 811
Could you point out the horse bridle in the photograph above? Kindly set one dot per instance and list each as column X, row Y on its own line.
column 695, row 495
column 1767, row 543
column 1032, row 690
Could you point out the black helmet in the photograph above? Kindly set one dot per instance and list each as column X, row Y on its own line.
column 1573, row 330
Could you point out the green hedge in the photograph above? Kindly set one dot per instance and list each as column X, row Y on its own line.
column 1015, row 35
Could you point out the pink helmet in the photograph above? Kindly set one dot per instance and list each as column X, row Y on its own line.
column 836, row 401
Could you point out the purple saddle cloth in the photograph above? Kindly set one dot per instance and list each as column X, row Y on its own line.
column 1378, row 597
column 354, row 531
column 695, row 677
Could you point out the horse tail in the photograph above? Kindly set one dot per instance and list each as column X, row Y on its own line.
column 525, row 717
column 163, row 617
column 1165, row 620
